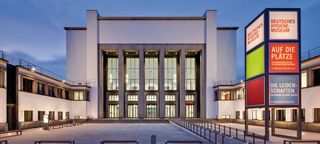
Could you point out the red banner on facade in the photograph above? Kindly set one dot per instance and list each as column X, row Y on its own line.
column 255, row 92
column 284, row 57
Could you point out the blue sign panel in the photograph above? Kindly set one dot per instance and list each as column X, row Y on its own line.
column 284, row 90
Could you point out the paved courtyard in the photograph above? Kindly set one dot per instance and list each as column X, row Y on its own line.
column 94, row 133
column 275, row 140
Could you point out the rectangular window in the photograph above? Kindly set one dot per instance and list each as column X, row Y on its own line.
column 151, row 73
column 151, row 111
column 59, row 92
column 237, row 114
column 317, row 115
column 316, row 77
column 133, row 98
column 226, row 117
column 151, row 98
column 189, row 97
column 27, row 85
column 112, row 73
column 40, row 115
column 190, row 77
column 66, row 94
column 2, row 78
column 60, row 115
column 40, row 88
column 51, row 91
column 67, row 115
column 280, row 115
column 254, row 114
column 190, row 111
column 114, row 111
column 51, row 115
column 132, row 111
column 170, row 73
column 170, row 98
column 113, row 98
column 225, row 95
column 28, row 116
column 170, row 110
column 78, row 95
column 304, row 80
column 132, row 74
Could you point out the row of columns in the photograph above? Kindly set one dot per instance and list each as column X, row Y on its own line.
column 141, row 102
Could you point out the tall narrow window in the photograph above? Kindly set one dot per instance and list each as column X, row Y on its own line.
column 254, row 114
column 60, row 115
column 151, row 110
column 190, row 80
column 113, row 110
column 40, row 115
column 40, row 88
column 151, row 73
column 304, row 80
column 170, row 73
column 132, row 73
column 316, row 77
column 51, row 91
column 112, row 73
column 170, row 110
column 280, row 115
column 51, row 115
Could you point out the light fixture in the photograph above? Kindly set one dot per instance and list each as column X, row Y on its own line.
column 63, row 81
column 33, row 68
column 146, row 52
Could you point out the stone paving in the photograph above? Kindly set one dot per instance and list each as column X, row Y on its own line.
column 94, row 133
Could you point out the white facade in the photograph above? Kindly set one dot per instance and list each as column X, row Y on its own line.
column 309, row 98
column 220, row 47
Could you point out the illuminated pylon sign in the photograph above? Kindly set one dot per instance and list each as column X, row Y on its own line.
column 272, row 60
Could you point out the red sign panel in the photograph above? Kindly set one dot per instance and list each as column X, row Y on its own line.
column 284, row 57
column 255, row 92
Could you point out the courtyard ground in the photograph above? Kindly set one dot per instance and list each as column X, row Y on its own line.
column 95, row 133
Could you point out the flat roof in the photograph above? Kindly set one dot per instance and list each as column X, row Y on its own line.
column 151, row 18
column 75, row 28
column 227, row 28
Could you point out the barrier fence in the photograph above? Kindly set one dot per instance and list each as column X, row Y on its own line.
column 301, row 141
column 218, row 133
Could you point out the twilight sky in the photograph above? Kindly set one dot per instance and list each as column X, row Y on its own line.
column 33, row 29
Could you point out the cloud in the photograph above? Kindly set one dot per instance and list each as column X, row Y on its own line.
column 57, row 65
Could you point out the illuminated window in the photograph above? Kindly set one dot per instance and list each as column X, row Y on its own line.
column 190, row 79
column 151, row 111
column 170, row 110
column 170, row 98
column 132, row 74
column 112, row 73
column 151, row 73
column 170, row 73
column 132, row 97
column 225, row 95
column 304, row 80
column 114, row 111
column 28, row 116
column 151, row 98
column 254, row 114
column 189, row 110
column 78, row 95
column 132, row 111
column 189, row 97
column 113, row 98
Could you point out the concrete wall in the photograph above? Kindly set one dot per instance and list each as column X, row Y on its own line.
column 151, row 31
column 211, row 71
column 227, row 55
column 76, row 55
column 35, row 102
column 3, row 105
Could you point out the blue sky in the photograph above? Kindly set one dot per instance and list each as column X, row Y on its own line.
column 33, row 29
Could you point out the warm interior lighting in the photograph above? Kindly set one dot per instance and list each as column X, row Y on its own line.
column 33, row 68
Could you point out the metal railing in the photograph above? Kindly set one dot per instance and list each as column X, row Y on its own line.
column 28, row 65
column 119, row 141
column 310, row 54
column 54, row 142
column 218, row 133
column 301, row 141
column 182, row 142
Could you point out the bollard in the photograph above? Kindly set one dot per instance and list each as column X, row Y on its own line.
column 153, row 139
